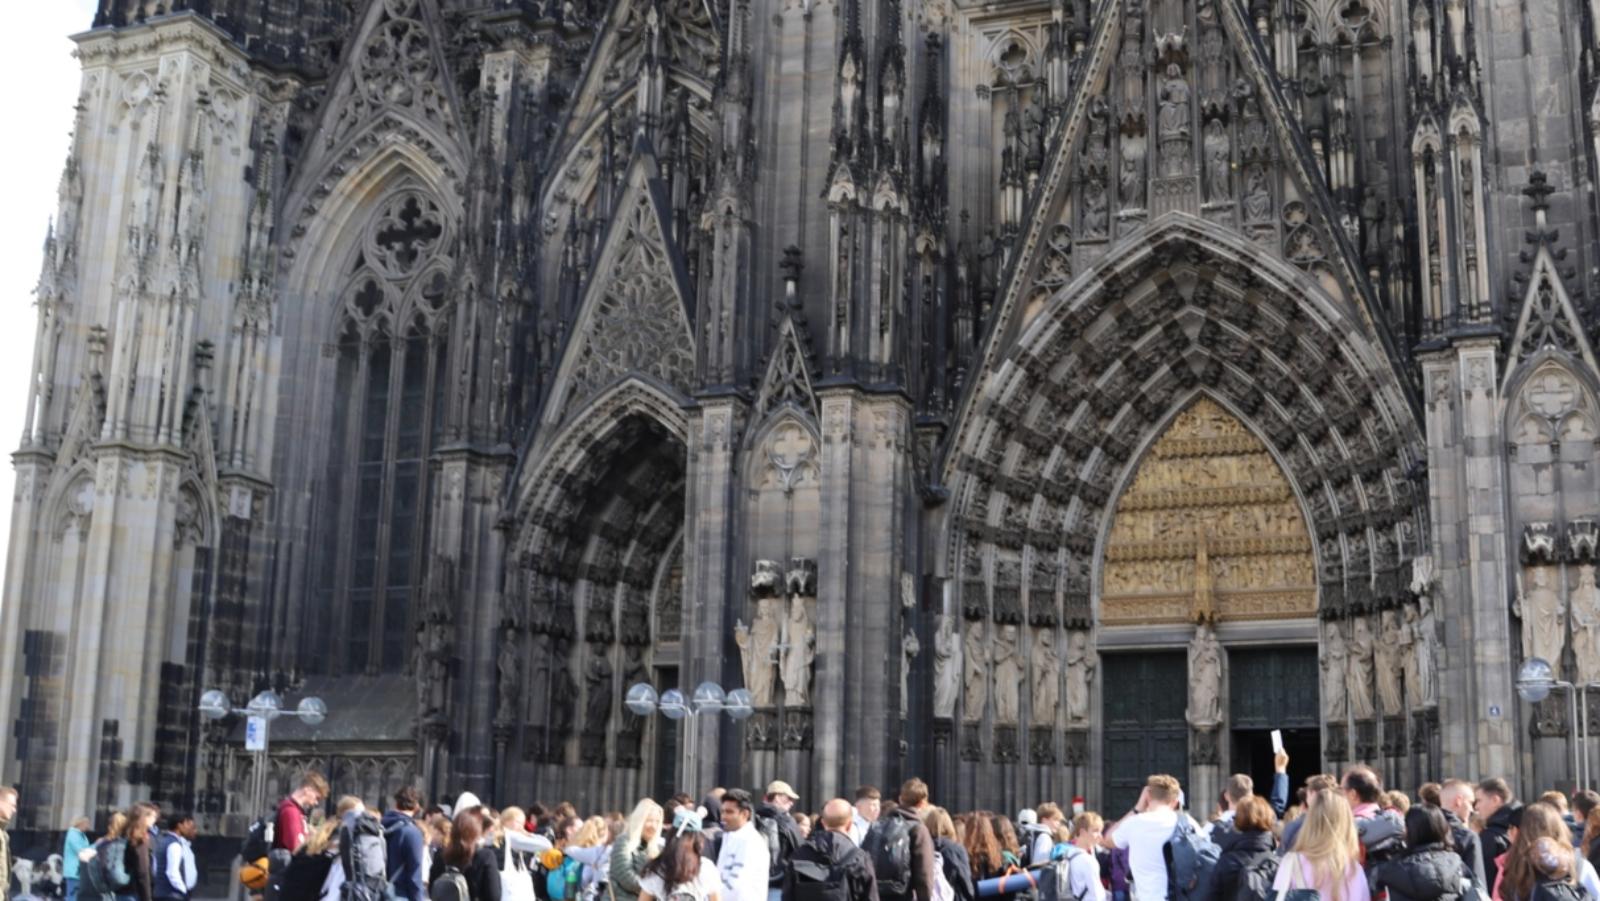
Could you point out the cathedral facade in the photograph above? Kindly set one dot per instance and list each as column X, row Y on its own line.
column 1028, row 395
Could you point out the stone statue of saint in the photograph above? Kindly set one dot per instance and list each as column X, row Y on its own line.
column 1542, row 613
column 1359, row 683
column 1007, row 676
column 1418, row 660
column 1335, row 660
column 563, row 694
column 1257, row 194
column 1218, row 161
column 909, row 649
column 597, row 679
column 1172, row 119
column 509, row 665
column 1586, row 624
column 758, row 651
column 975, row 674
column 908, row 591
column 946, row 667
column 1080, row 674
column 1046, row 677
column 1131, row 178
column 1203, row 608
column 1388, row 664
column 419, row 670
column 800, row 650
column 1205, row 677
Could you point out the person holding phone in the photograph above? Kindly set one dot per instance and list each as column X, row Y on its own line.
column 1144, row 831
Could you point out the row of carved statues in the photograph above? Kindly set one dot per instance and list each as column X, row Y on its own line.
column 1556, row 590
column 779, row 645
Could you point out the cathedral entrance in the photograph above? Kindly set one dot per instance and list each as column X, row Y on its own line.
column 1145, row 731
column 1273, row 688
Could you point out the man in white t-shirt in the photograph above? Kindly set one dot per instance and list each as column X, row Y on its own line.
column 744, row 857
column 1144, row 831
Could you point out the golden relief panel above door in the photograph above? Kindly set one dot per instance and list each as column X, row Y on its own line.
column 1209, row 529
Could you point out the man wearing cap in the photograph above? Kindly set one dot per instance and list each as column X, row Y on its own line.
column 742, row 858
column 781, row 832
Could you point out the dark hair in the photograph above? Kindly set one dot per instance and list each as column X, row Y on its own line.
column 1428, row 793
column 1253, row 814
column 1497, row 787
column 740, row 798
column 983, row 847
column 1585, row 801
column 178, row 818
column 537, row 812
column 464, row 835
column 679, row 863
column 1364, row 782
column 681, row 799
column 407, row 798
column 1519, row 873
column 1006, row 834
column 1426, row 825
column 868, row 793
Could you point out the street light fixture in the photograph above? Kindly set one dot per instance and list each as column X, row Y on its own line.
column 708, row 698
column 265, row 707
column 1535, row 680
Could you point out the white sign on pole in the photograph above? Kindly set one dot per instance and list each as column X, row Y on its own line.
column 255, row 734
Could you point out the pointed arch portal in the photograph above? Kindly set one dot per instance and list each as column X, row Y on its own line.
column 1209, row 528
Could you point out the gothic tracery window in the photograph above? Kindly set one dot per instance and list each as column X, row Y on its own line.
column 387, row 418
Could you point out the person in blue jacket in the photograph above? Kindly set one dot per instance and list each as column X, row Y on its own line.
column 77, row 841
column 405, row 846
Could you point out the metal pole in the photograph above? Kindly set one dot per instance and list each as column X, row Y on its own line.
column 1572, row 733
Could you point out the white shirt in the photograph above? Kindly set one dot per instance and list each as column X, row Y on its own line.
column 858, row 828
column 743, row 863
column 1044, row 841
column 1083, row 877
column 1144, row 835
column 705, row 885
column 181, row 871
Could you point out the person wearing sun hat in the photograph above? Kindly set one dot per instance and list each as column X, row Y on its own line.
column 777, row 826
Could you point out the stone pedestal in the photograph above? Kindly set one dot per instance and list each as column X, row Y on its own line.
column 1075, row 756
column 1335, row 746
column 1205, row 771
column 1366, row 744
column 944, row 758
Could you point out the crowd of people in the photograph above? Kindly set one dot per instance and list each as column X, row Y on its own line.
column 1341, row 838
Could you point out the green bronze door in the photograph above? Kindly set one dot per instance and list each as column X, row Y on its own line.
column 1145, row 697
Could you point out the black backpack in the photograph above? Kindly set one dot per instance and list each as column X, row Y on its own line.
column 1557, row 891
column 1256, row 878
column 257, row 842
column 821, row 880
column 888, row 843
column 768, row 827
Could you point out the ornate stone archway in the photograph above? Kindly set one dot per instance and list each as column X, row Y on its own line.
column 1054, row 430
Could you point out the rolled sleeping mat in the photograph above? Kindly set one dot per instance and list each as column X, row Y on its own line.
column 1015, row 881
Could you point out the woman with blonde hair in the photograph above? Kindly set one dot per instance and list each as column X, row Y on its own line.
column 636, row 847
column 590, row 848
column 1327, row 853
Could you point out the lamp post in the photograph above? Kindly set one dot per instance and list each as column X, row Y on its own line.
column 259, row 714
column 1535, row 680
column 642, row 700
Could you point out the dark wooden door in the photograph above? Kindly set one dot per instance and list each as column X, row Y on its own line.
column 1274, row 688
column 1145, row 695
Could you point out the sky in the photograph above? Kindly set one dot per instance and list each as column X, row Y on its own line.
column 41, row 80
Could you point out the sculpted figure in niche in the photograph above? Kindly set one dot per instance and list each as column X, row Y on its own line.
column 1046, row 678
column 1418, row 631
column 1542, row 614
column 975, row 677
column 1586, row 624
column 1257, row 196
column 1007, row 676
column 1173, row 122
column 1132, row 177
column 1080, row 673
column 1359, row 685
column 946, row 667
column 1334, row 661
column 758, row 651
column 509, row 665
column 910, row 647
column 1387, row 663
column 597, row 676
column 799, row 651
column 1205, row 677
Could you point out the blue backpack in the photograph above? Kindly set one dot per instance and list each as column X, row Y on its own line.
column 562, row 882
column 1191, row 863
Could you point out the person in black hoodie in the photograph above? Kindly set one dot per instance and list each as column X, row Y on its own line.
column 1247, row 842
column 474, row 861
column 1430, row 869
column 780, row 830
column 1501, row 813
column 957, row 867
column 826, row 851
column 1455, row 801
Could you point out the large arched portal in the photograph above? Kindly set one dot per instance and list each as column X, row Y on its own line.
column 1191, row 469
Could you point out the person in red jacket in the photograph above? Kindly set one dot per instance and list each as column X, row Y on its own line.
column 290, row 828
